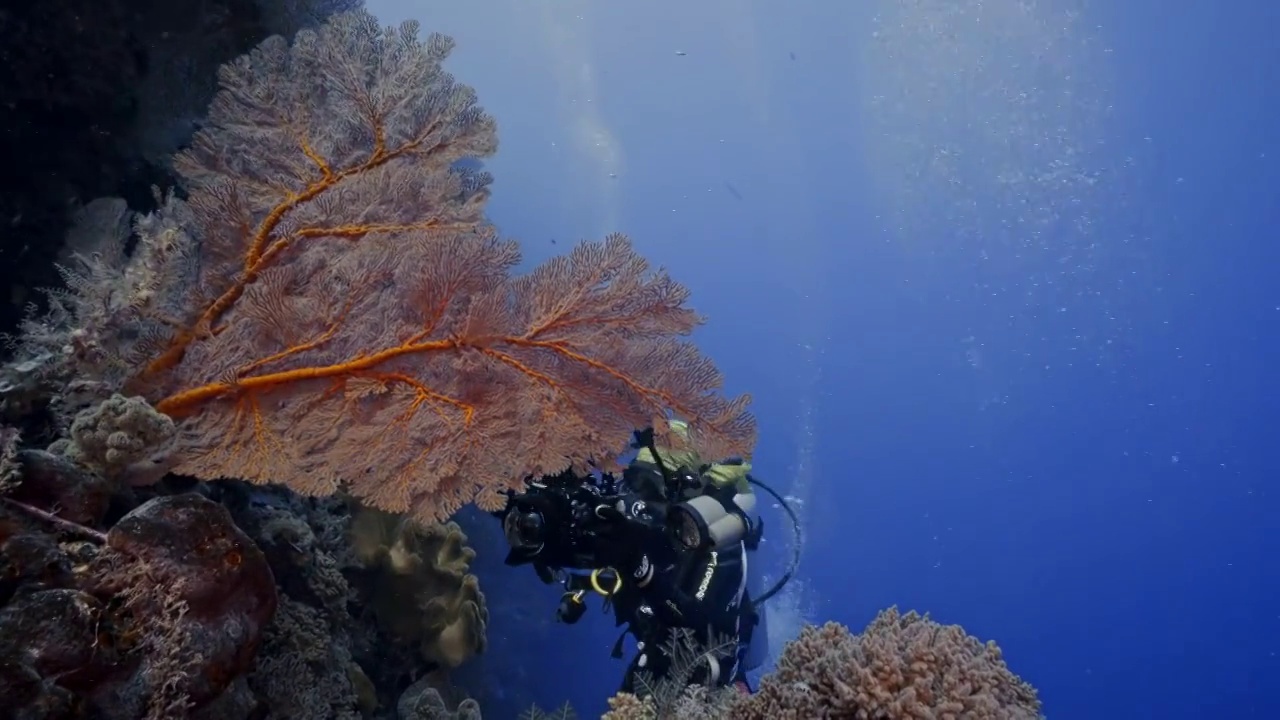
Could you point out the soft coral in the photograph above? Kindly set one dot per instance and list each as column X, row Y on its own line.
column 346, row 316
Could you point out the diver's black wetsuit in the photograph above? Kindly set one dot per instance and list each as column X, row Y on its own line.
column 702, row 591
column 708, row 602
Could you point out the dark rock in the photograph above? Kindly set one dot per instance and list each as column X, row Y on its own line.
column 191, row 544
column 32, row 562
column 200, row 591
column 54, row 483
column 29, row 697
column 58, row 634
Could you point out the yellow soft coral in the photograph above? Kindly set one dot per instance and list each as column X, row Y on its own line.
column 424, row 592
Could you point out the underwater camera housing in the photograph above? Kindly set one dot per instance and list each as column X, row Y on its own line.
column 557, row 523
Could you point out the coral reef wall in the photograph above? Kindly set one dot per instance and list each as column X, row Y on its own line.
column 318, row 307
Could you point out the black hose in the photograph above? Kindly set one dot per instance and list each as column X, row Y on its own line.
column 795, row 550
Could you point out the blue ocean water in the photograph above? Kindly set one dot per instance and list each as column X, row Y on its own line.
column 1002, row 278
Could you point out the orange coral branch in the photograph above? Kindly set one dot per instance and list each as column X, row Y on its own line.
column 506, row 359
column 259, row 254
column 659, row 399
column 303, row 347
column 188, row 401
column 423, row 394
column 358, row 231
column 321, row 163
column 185, row 402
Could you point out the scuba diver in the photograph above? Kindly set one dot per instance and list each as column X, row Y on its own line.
column 667, row 547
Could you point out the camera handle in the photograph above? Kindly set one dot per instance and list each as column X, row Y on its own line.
column 572, row 607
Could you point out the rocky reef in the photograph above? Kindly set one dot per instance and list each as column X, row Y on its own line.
column 219, row 600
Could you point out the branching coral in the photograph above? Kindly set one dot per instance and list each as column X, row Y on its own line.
column 292, row 541
column 674, row 695
column 900, row 667
column 314, row 653
column 694, row 702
